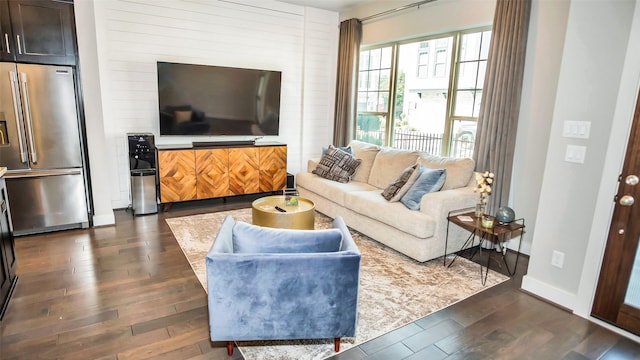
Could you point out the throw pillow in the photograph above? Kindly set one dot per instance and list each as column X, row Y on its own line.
column 459, row 171
column 403, row 190
column 336, row 165
column 395, row 186
column 248, row 238
column 366, row 153
column 343, row 148
column 430, row 180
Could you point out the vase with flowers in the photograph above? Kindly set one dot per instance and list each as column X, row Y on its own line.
column 484, row 182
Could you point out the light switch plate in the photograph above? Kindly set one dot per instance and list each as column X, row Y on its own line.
column 575, row 154
column 576, row 129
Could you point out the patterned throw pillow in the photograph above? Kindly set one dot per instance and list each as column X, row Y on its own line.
column 337, row 165
column 397, row 184
column 412, row 180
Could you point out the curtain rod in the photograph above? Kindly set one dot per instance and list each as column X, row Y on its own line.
column 395, row 10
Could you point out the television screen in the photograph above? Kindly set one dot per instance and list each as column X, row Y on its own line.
column 216, row 100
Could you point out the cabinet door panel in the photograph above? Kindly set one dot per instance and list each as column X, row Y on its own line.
column 177, row 172
column 244, row 174
column 44, row 31
column 6, row 42
column 7, row 250
column 212, row 173
column 273, row 168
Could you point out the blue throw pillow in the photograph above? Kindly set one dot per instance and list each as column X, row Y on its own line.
column 430, row 180
column 248, row 238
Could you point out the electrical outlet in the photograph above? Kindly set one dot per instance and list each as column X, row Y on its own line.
column 557, row 259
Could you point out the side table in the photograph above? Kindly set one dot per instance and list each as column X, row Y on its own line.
column 466, row 219
column 299, row 216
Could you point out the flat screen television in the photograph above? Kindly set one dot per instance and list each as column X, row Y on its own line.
column 214, row 100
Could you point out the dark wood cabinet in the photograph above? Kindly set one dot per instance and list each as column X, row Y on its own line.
column 6, row 51
column 38, row 31
column 8, row 276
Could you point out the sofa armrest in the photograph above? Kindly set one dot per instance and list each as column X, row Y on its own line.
column 438, row 204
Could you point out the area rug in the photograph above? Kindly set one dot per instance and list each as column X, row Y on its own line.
column 394, row 289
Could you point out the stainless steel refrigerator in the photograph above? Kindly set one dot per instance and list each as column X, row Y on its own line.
column 40, row 146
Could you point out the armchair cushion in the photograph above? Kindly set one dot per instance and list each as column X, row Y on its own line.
column 249, row 238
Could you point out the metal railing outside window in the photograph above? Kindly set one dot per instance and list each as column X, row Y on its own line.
column 462, row 147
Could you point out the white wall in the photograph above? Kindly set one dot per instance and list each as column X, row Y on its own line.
column 319, row 92
column 431, row 18
column 616, row 148
column 583, row 193
column 85, row 19
column 132, row 35
column 588, row 91
column 547, row 27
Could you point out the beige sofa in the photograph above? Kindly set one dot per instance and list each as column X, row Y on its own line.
column 419, row 234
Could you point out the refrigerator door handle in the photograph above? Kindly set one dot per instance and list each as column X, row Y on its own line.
column 27, row 112
column 15, row 92
column 12, row 174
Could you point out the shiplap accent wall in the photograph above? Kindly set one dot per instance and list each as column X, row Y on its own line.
column 132, row 35
column 319, row 91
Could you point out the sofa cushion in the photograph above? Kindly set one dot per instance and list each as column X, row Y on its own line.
column 430, row 180
column 392, row 189
column 332, row 190
column 388, row 164
column 337, row 165
column 248, row 238
column 366, row 153
column 459, row 171
column 374, row 206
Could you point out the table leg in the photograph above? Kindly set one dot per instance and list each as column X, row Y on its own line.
column 464, row 246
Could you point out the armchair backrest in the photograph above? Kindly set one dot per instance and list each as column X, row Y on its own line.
column 294, row 295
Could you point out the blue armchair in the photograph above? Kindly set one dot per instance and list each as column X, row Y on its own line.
column 282, row 284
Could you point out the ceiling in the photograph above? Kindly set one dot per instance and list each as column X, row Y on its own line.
column 333, row 5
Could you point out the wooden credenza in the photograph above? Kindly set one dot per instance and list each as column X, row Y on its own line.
column 205, row 173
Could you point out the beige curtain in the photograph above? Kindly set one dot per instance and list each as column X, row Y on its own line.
column 347, row 81
column 498, row 119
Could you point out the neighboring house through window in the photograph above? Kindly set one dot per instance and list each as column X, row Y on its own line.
column 423, row 94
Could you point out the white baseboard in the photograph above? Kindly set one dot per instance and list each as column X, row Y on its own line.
column 548, row 292
column 568, row 301
column 104, row 219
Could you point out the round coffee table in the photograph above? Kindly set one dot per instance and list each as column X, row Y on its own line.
column 300, row 216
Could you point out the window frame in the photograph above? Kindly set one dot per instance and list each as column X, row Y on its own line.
column 453, row 73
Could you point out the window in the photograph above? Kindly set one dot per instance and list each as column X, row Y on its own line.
column 423, row 63
column 423, row 59
column 435, row 97
column 441, row 63
column 374, row 89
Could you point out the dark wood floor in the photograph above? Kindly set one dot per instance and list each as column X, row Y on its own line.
column 127, row 292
